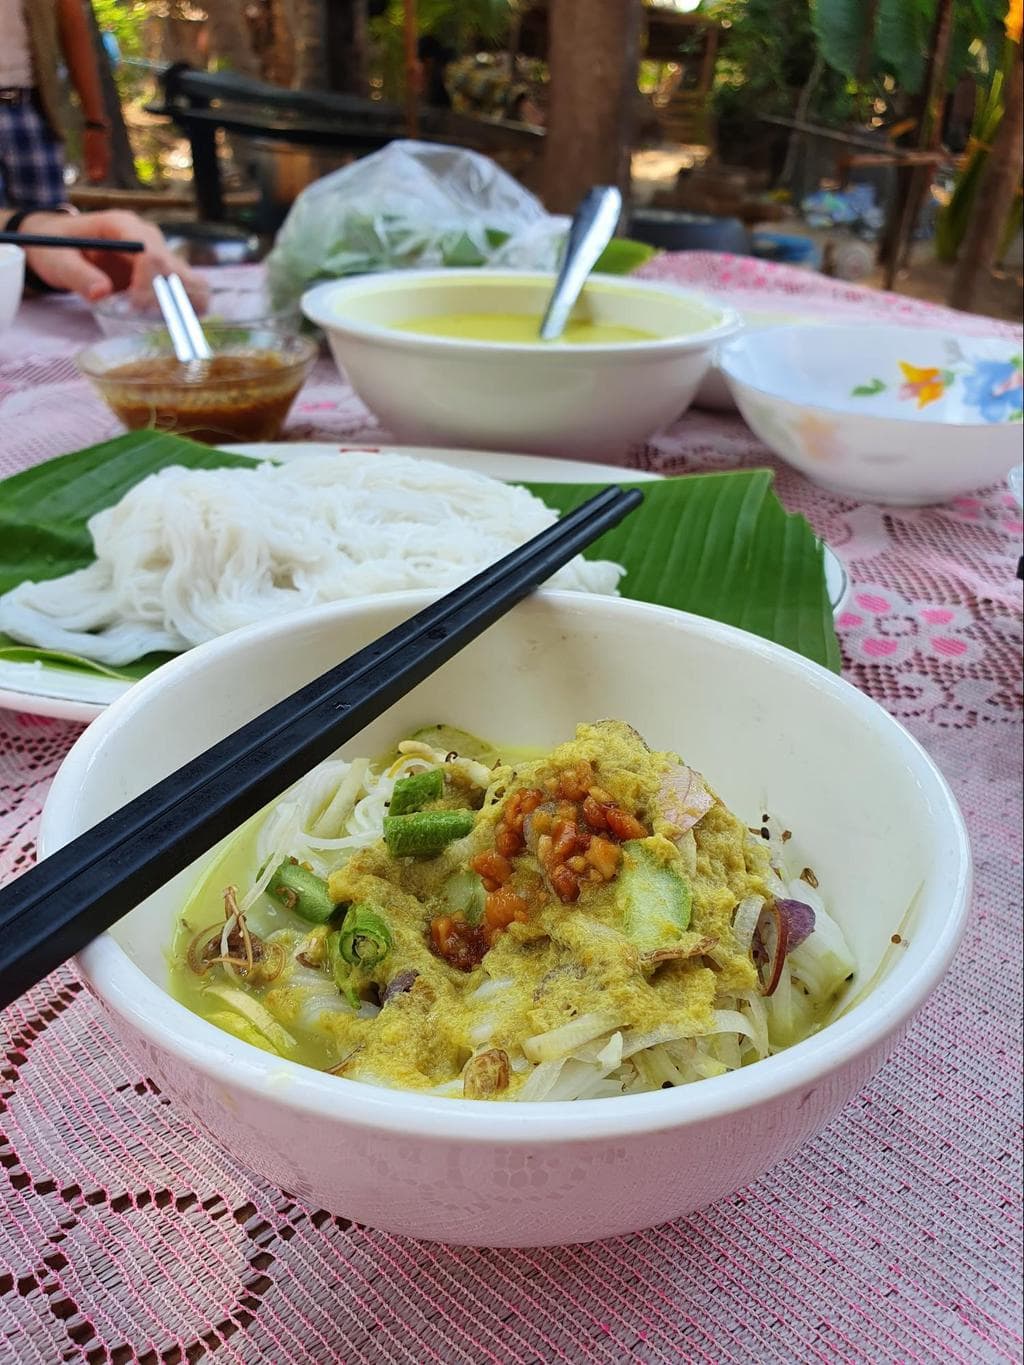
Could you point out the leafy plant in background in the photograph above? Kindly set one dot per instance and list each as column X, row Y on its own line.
column 892, row 37
column 767, row 56
column 462, row 25
column 126, row 21
column 956, row 215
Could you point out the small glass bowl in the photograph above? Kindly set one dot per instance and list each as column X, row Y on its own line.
column 145, row 385
column 123, row 315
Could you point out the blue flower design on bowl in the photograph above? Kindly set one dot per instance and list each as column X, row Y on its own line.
column 996, row 388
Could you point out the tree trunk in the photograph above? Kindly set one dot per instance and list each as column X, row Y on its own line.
column 347, row 42
column 913, row 181
column 803, row 104
column 230, row 38
column 410, row 26
column 995, row 196
column 592, row 57
column 309, row 32
column 279, row 57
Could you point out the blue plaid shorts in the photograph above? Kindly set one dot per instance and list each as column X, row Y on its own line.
column 31, row 160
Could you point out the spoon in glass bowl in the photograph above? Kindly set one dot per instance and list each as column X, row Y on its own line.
column 182, row 322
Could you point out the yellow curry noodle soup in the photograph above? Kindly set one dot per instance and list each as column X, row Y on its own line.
column 482, row 924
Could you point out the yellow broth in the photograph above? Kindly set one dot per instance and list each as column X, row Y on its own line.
column 521, row 329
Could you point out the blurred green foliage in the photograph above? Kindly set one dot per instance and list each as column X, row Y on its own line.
column 463, row 25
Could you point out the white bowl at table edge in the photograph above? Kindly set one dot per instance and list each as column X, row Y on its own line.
column 12, row 281
column 259, row 1106
column 902, row 456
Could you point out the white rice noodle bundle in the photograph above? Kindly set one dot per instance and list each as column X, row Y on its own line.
column 190, row 554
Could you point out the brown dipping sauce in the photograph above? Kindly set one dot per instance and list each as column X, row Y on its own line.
column 231, row 397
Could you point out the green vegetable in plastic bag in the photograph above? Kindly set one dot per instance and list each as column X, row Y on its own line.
column 417, row 205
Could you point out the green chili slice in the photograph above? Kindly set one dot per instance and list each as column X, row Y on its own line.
column 425, row 833
column 346, row 978
column 298, row 889
column 364, row 938
column 413, row 793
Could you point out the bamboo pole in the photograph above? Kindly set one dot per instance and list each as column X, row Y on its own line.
column 996, row 192
column 913, row 181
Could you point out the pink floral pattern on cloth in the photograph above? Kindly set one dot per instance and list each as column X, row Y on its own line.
column 125, row 1236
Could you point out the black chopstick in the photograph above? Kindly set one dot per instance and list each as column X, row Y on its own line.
column 75, row 243
column 52, row 912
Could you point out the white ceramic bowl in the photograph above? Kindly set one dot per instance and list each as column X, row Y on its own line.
column 771, row 731
column 714, row 392
column 12, row 281
column 579, row 402
column 883, row 414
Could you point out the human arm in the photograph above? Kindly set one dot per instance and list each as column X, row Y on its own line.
column 95, row 274
column 83, row 68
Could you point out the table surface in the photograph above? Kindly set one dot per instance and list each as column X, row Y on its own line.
column 895, row 1236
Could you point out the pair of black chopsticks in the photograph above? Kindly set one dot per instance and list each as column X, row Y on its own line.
column 50, row 913
column 27, row 239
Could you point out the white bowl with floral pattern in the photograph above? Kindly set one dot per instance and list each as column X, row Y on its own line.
column 882, row 414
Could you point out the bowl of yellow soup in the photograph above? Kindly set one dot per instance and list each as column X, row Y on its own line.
column 454, row 357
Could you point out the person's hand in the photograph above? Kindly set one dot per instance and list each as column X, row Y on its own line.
column 96, row 154
column 95, row 274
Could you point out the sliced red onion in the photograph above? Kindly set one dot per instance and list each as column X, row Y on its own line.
column 399, row 984
column 799, row 921
column 782, row 926
column 683, row 798
column 769, row 947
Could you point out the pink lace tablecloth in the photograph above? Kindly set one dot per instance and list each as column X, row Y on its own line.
column 895, row 1236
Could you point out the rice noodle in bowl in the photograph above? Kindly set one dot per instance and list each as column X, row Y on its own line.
column 586, row 924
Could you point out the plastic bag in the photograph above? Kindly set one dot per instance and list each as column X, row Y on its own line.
column 411, row 205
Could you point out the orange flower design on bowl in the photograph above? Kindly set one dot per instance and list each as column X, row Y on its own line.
column 819, row 437
column 927, row 385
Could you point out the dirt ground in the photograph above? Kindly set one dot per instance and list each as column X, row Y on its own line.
column 1000, row 296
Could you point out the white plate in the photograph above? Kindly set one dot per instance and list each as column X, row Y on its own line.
column 45, row 690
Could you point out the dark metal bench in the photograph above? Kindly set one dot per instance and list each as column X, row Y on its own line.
column 201, row 102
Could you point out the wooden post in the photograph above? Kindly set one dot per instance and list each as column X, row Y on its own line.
column 995, row 196
column 913, row 181
column 412, row 83
column 867, row 40
column 592, row 57
column 347, row 42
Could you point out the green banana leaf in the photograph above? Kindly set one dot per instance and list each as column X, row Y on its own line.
column 719, row 545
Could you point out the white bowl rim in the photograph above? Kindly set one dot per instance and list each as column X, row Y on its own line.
column 313, row 303
column 158, row 1017
column 11, row 252
column 863, row 332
